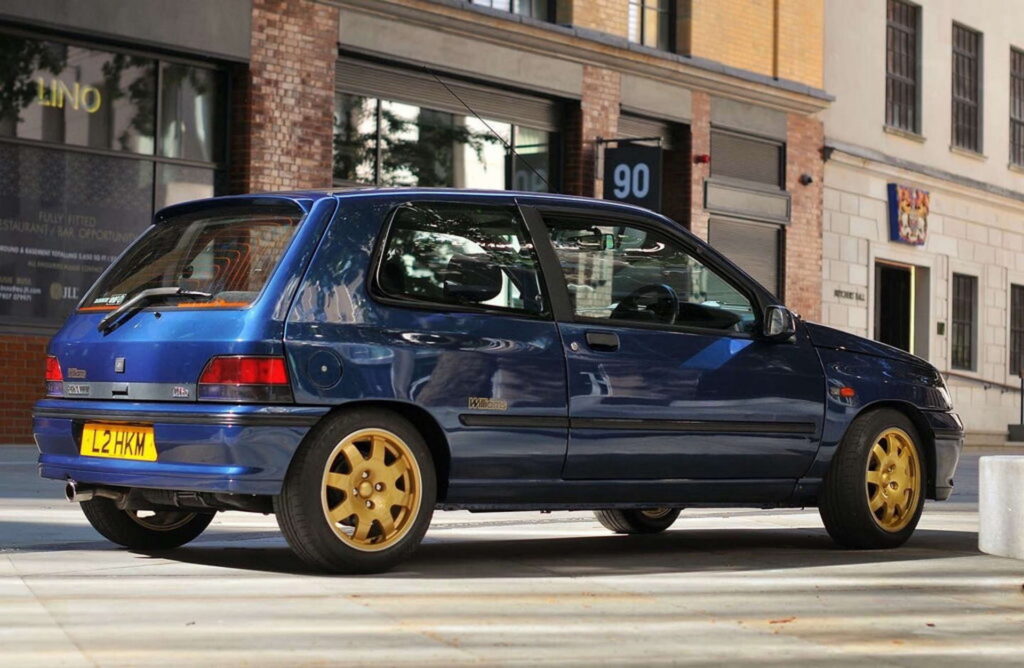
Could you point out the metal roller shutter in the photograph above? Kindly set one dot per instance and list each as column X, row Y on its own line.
column 752, row 246
column 421, row 89
column 637, row 126
column 746, row 158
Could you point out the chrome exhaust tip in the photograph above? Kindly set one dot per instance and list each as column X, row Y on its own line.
column 75, row 494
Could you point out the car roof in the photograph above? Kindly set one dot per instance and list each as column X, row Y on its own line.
column 305, row 198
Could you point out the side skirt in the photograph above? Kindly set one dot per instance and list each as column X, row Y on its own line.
column 477, row 494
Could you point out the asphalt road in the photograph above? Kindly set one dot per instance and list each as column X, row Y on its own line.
column 722, row 587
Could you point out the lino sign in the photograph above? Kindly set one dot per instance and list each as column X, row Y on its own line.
column 908, row 214
column 632, row 174
column 58, row 94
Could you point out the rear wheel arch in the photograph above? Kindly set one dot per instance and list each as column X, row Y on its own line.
column 924, row 431
column 422, row 420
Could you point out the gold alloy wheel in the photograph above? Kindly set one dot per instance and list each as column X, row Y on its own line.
column 893, row 479
column 655, row 513
column 371, row 489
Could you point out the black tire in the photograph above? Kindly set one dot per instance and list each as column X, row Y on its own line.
column 632, row 521
column 306, row 499
column 163, row 530
column 845, row 502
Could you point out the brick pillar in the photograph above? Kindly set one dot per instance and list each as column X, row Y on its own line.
column 24, row 363
column 596, row 116
column 700, row 144
column 285, row 101
column 676, row 167
column 804, row 139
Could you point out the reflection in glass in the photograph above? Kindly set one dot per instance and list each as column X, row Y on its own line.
column 429, row 148
column 482, row 165
column 533, row 162
column 355, row 138
column 461, row 255
column 68, row 94
column 627, row 273
column 177, row 183
column 190, row 120
column 66, row 216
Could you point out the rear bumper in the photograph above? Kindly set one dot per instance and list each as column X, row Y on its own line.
column 949, row 442
column 240, row 449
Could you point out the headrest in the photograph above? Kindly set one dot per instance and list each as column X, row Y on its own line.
column 471, row 278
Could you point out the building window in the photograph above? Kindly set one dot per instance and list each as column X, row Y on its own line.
column 747, row 158
column 388, row 143
column 650, row 23
column 1017, row 107
column 965, row 298
column 901, row 66
column 966, row 88
column 1016, row 329
column 92, row 140
column 537, row 9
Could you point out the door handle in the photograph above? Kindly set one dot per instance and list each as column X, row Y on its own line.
column 606, row 341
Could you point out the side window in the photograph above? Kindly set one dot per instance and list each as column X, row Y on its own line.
column 629, row 274
column 461, row 255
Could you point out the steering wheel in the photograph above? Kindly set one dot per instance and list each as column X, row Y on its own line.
column 655, row 299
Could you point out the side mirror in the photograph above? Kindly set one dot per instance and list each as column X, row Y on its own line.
column 779, row 323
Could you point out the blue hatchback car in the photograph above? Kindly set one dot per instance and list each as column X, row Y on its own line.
column 352, row 361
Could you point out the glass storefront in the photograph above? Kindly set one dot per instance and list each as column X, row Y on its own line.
column 388, row 143
column 92, row 141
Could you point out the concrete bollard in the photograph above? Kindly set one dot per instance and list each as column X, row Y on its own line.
column 1001, row 506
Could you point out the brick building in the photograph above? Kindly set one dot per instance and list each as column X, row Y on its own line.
column 119, row 109
column 924, row 192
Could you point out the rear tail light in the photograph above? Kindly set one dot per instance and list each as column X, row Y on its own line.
column 54, row 378
column 245, row 379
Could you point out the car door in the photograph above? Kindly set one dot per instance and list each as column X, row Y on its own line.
column 668, row 376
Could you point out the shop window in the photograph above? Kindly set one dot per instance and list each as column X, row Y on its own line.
column 747, row 158
column 650, row 23
column 388, row 143
column 180, row 183
column 191, row 118
column 966, row 88
column 1017, row 330
column 901, row 66
column 537, row 9
column 1017, row 107
column 72, row 95
column 65, row 216
column 965, row 313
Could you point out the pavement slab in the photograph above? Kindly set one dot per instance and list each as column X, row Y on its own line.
column 723, row 587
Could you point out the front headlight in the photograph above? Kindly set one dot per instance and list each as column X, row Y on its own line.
column 943, row 392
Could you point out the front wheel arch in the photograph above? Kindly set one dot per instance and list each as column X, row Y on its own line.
column 924, row 430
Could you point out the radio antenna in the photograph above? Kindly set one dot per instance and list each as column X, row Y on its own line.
column 487, row 125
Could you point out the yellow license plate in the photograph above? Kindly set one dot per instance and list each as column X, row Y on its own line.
column 118, row 441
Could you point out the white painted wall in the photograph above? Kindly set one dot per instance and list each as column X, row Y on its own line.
column 971, row 230
column 855, row 75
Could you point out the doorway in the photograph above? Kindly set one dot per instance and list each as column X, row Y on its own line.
column 901, row 306
column 894, row 289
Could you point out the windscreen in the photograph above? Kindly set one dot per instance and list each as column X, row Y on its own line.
column 227, row 254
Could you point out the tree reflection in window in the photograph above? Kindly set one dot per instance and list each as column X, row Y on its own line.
column 388, row 143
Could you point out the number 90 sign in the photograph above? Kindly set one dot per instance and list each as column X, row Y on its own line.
column 632, row 173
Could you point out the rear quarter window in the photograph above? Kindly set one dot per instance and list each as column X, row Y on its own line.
column 461, row 255
column 227, row 253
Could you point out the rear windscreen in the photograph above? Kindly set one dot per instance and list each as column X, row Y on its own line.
column 226, row 254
